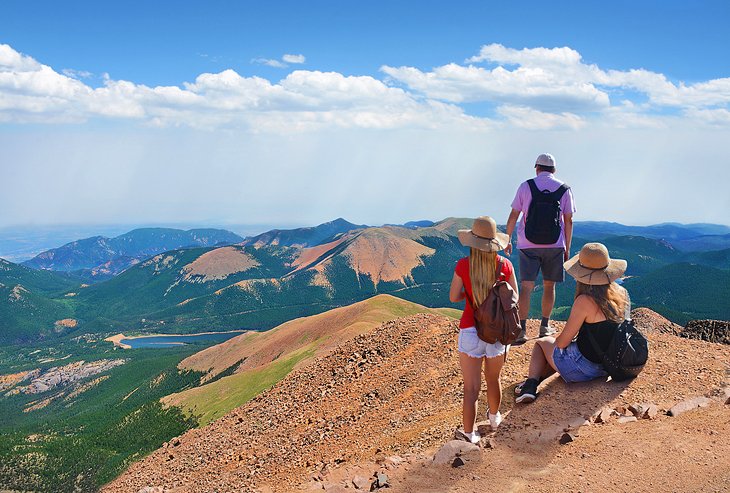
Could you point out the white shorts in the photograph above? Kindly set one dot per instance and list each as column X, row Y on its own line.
column 471, row 345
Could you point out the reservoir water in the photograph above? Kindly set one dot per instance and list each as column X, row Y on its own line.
column 172, row 340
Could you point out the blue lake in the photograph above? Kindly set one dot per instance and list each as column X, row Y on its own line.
column 172, row 340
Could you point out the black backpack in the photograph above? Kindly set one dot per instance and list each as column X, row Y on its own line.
column 543, row 224
column 627, row 352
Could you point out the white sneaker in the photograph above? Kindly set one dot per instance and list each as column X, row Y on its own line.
column 474, row 436
column 495, row 420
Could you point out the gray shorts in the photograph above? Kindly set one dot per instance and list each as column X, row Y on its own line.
column 547, row 260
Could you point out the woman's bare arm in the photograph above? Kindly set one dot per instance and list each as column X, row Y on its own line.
column 578, row 314
column 513, row 282
column 456, row 293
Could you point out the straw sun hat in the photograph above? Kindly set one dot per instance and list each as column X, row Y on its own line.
column 484, row 235
column 593, row 266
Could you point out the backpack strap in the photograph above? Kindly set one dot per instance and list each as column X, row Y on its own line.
column 533, row 188
column 558, row 194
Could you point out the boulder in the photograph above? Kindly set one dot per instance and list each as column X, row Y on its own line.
column 453, row 449
column 689, row 405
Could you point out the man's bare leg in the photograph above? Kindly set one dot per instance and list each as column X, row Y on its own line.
column 548, row 302
column 526, row 288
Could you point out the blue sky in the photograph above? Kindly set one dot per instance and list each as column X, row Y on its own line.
column 298, row 112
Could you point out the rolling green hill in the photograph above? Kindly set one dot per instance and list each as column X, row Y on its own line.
column 32, row 302
column 683, row 291
column 262, row 359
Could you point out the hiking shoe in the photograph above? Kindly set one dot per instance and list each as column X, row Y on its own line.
column 546, row 330
column 528, row 392
column 471, row 437
column 518, row 387
column 495, row 420
column 521, row 339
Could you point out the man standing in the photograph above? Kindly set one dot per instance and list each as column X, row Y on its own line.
column 543, row 237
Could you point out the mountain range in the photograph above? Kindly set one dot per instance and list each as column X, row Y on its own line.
column 265, row 280
column 101, row 257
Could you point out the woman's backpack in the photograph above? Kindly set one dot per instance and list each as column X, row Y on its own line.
column 497, row 319
column 627, row 352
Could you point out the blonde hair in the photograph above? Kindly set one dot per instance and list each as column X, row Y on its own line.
column 482, row 267
column 610, row 298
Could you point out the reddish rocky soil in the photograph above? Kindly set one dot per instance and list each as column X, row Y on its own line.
column 387, row 400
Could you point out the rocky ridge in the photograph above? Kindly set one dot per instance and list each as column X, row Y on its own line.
column 386, row 400
column 43, row 381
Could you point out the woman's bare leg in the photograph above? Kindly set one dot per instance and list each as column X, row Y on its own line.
column 541, row 361
column 492, row 370
column 471, row 370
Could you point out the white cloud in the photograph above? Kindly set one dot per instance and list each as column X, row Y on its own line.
column 295, row 59
column 283, row 63
column 542, row 77
column 76, row 74
column 531, row 88
column 32, row 92
column 270, row 62
column 718, row 117
column 531, row 119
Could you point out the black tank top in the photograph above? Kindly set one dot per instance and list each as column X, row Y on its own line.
column 602, row 332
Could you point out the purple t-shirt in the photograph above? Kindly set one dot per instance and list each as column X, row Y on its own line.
column 523, row 197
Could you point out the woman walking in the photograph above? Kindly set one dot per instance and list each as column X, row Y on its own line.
column 600, row 306
column 473, row 278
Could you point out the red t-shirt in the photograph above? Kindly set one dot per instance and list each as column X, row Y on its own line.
column 462, row 270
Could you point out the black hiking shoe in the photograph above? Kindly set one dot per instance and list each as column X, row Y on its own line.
column 528, row 392
column 521, row 339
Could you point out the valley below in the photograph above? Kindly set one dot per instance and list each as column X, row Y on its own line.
column 303, row 358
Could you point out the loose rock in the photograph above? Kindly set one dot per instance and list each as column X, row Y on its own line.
column 360, row 482
column 567, row 438
column 452, row 449
column 689, row 405
column 604, row 415
column 381, row 480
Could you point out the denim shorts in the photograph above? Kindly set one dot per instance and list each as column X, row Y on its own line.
column 574, row 367
column 471, row 345
column 547, row 260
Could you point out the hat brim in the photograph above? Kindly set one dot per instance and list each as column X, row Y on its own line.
column 595, row 277
column 469, row 239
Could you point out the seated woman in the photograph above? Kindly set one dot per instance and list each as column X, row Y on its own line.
column 600, row 306
column 473, row 278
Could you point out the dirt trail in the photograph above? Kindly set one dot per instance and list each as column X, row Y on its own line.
column 388, row 399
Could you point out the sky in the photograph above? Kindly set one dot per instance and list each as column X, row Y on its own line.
column 295, row 113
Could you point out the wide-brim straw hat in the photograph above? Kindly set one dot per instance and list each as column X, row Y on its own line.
column 594, row 266
column 484, row 235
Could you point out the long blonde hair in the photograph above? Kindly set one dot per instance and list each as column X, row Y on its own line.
column 482, row 267
column 610, row 298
